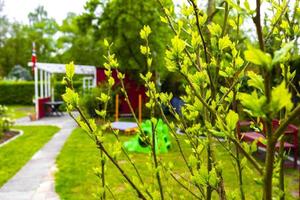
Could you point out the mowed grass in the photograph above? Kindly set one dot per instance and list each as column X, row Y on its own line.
column 18, row 152
column 19, row 111
column 76, row 180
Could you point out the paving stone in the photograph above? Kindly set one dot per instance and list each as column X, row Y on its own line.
column 35, row 181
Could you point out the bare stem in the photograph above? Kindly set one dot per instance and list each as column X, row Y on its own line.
column 102, row 148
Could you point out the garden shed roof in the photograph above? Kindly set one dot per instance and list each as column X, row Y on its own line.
column 54, row 68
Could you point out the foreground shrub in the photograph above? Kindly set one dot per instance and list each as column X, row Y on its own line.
column 90, row 103
column 213, row 58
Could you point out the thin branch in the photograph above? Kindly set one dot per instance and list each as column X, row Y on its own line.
column 280, row 130
column 179, row 146
column 257, row 23
column 101, row 147
column 111, row 193
column 248, row 156
column 196, row 13
column 276, row 23
column 174, row 31
column 198, row 96
column 225, row 19
column 184, row 187
column 236, row 81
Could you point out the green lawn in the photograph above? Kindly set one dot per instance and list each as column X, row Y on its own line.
column 76, row 180
column 16, row 153
column 18, row 111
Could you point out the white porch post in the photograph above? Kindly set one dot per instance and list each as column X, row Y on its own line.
column 36, row 91
column 41, row 83
column 46, row 83
column 95, row 77
column 49, row 84
column 52, row 89
column 84, row 87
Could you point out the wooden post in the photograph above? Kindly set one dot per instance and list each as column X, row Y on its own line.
column 140, row 108
column 117, row 108
column 36, row 91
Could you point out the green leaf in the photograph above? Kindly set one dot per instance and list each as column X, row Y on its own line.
column 243, row 162
column 256, row 81
column 253, row 104
column 143, row 49
column 84, row 126
column 203, row 175
column 215, row 29
column 163, row 19
column 149, row 62
column 93, row 124
column 111, row 81
column 103, row 98
column 196, row 39
column 281, row 98
column 71, row 97
column 106, row 44
column 202, row 18
column 258, row 57
column 70, row 70
column 101, row 113
column 253, row 146
column 120, row 76
column 280, row 55
column 145, row 32
column 213, row 179
column 178, row 45
column 231, row 120
column 224, row 42
column 217, row 133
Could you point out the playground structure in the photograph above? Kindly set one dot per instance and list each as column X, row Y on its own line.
column 127, row 127
column 93, row 76
column 42, row 82
column 137, row 144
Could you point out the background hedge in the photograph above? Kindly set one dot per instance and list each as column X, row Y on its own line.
column 22, row 92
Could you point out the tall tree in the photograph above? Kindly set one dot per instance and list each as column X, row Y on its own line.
column 42, row 30
column 16, row 40
column 4, row 25
column 121, row 21
column 76, row 45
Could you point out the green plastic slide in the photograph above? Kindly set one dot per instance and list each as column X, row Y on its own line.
column 137, row 144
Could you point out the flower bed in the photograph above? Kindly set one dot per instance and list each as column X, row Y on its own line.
column 8, row 136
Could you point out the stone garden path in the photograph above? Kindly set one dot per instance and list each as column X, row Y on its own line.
column 35, row 181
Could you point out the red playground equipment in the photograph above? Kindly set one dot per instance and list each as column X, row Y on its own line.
column 291, row 133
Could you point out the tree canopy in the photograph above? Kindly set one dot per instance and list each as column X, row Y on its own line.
column 120, row 21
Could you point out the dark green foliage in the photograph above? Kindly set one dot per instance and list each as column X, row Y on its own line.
column 22, row 92
column 16, row 49
column 90, row 102
column 82, row 47
column 121, row 22
column 12, row 92
column 173, row 83
column 19, row 73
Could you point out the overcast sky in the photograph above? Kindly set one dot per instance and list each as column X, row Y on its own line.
column 17, row 10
